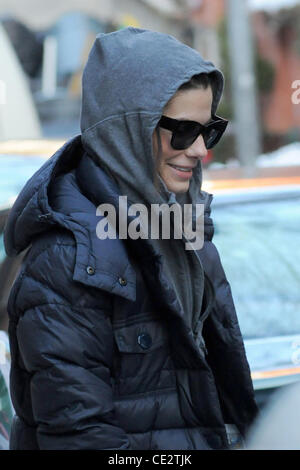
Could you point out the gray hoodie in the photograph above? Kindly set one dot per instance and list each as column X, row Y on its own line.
column 129, row 77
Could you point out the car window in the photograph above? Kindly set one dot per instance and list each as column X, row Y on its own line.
column 259, row 247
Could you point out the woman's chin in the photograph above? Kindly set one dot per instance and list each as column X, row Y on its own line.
column 178, row 187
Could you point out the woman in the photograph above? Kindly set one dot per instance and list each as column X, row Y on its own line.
column 109, row 345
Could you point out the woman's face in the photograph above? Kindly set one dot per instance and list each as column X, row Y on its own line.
column 192, row 105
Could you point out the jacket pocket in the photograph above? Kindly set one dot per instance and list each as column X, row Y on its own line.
column 143, row 337
column 142, row 361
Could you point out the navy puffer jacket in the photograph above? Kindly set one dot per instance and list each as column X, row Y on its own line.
column 102, row 356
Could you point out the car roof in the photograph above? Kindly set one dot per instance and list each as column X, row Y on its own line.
column 31, row 147
column 229, row 186
column 235, row 179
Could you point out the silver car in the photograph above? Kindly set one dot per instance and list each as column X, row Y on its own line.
column 257, row 232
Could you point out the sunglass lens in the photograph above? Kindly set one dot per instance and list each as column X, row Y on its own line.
column 212, row 137
column 186, row 133
column 214, row 133
column 184, row 136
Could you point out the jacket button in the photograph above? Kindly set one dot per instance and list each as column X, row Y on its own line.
column 145, row 340
column 122, row 281
column 90, row 270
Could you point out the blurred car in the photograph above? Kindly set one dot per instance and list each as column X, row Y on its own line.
column 257, row 232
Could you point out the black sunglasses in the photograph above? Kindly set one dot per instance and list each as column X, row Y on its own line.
column 184, row 133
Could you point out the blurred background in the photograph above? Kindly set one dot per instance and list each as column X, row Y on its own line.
column 256, row 43
column 254, row 172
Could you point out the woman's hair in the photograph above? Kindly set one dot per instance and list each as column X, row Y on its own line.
column 202, row 80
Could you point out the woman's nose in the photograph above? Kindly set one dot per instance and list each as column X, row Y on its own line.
column 197, row 149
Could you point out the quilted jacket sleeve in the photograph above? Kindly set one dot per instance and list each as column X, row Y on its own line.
column 64, row 351
column 226, row 352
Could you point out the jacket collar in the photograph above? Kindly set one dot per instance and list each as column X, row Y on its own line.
column 102, row 264
column 99, row 187
column 109, row 256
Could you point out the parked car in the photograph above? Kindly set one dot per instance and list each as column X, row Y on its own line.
column 257, row 232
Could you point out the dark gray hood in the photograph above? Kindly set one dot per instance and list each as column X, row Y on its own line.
column 129, row 77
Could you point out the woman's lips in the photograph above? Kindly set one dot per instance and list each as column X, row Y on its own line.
column 183, row 172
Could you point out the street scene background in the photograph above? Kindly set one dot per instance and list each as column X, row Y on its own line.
column 253, row 173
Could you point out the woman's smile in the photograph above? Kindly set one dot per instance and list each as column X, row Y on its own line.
column 181, row 171
column 176, row 167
